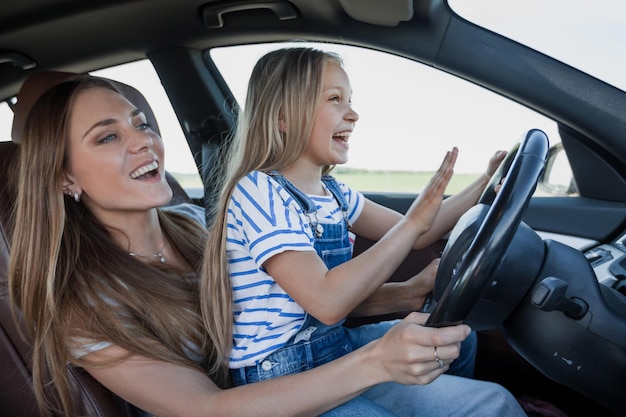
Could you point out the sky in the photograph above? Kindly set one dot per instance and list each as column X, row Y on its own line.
column 410, row 114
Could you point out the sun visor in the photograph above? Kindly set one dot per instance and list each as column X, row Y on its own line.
column 383, row 13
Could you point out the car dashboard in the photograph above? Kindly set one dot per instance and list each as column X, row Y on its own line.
column 609, row 263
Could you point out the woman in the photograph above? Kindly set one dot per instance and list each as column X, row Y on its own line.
column 108, row 281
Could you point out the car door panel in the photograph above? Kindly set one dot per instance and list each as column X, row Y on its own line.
column 573, row 216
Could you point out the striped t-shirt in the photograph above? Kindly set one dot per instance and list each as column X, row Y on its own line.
column 264, row 220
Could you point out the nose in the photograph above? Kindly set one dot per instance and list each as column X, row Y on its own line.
column 352, row 115
column 141, row 140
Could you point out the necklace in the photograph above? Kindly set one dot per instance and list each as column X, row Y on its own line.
column 158, row 255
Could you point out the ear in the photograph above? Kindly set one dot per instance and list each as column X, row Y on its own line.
column 69, row 184
column 282, row 126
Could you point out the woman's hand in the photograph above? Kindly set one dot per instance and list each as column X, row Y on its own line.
column 408, row 352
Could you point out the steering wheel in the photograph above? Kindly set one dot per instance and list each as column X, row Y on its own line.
column 478, row 242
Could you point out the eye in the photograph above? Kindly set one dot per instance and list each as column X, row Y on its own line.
column 106, row 139
column 144, row 126
column 335, row 98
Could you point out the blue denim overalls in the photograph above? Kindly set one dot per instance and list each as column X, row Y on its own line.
column 316, row 343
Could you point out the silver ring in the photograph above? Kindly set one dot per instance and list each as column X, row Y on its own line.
column 439, row 361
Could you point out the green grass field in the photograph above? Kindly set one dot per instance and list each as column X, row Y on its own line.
column 374, row 181
column 398, row 181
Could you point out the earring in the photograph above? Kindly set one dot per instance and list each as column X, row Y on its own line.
column 74, row 194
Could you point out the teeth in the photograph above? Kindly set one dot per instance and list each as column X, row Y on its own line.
column 344, row 135
column 147, row 168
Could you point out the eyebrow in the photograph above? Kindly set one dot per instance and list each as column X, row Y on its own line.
column 108, row 122
column 342, row 89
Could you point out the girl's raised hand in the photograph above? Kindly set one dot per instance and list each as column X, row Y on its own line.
column 426, row 206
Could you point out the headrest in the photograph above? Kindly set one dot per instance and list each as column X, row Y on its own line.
column 40, row 82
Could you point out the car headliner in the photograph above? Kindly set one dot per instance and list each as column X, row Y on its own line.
column 75, row 35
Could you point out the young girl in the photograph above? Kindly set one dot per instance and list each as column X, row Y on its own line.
column 281, row 241
column 91, row 179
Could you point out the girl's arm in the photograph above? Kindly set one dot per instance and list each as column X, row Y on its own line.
column 376, row 220
column 330, row 295
column 404, row 355
column 400, row 297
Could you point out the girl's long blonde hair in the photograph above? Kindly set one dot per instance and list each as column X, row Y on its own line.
column 284, row 90
column 71, row 280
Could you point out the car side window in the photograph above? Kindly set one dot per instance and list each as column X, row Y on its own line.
column 179, row 160
column 6, row 122
column 410, row 114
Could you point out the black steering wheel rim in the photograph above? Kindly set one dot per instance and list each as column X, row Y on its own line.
column 518, row 173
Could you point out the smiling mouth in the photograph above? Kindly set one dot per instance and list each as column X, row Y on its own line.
column 146, row 171
column 342, row 136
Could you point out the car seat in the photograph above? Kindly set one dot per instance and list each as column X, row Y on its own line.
column 16, row 390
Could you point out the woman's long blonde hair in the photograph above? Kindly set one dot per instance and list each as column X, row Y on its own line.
column 284, row 87
column 71, row 280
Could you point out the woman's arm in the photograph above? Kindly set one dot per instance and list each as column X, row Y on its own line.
column 404, row 355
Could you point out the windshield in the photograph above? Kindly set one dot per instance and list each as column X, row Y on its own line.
column 588, row 35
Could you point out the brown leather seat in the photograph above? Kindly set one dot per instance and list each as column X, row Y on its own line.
column 16, row 393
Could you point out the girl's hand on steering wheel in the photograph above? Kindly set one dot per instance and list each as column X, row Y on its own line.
column 494, row 162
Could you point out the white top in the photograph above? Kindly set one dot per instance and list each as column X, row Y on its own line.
column 81, row 346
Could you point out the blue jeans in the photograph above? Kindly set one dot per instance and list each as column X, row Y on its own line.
column 447, row 396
